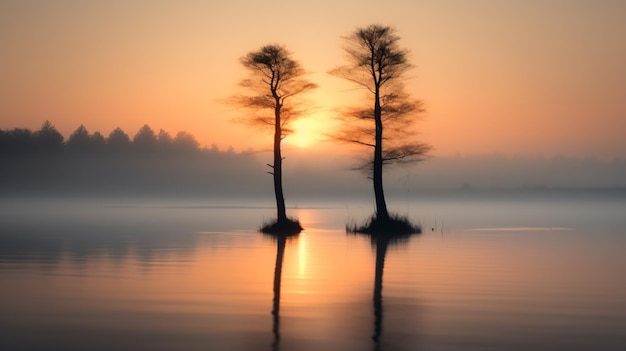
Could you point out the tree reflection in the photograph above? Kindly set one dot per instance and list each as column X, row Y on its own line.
column 281, row 241
column 381, row 252
column 382, row 243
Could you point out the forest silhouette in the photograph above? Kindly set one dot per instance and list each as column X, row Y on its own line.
column 47, row 141
column 33, row 165
column 42, row 162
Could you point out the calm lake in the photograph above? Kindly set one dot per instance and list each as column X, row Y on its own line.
column 498, row 273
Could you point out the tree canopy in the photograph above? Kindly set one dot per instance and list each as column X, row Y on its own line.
column 275, row 80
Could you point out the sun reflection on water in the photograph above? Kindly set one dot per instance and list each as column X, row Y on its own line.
column 302, row 255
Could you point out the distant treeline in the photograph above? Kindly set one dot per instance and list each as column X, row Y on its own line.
column 42, row 162
column 48, row 141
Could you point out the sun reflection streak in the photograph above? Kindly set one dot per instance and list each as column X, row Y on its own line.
column 302, row 255
column 303, row 244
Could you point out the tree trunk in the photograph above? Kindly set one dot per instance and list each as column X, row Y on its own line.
column 377, row 176
column 278, row 168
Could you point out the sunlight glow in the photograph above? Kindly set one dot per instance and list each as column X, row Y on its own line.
column 308, row 131
column 98, row 65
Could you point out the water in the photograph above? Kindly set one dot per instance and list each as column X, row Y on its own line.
column 187, row 274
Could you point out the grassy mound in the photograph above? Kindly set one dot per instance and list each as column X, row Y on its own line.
column 394, row 225
column 285, row 227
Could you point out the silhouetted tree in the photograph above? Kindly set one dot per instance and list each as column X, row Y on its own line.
column 97, row 142
column 79, row 139
column 19, row 141
column 4, row 141
column 118, row 140
column 48, row 139
column 383, row 122
column 81, row 142
column 145, row 139
column 275, row 81
column 164, row 140
column 185, row 142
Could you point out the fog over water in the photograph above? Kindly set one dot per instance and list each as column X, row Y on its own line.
column 222, row 173
column 487, row 273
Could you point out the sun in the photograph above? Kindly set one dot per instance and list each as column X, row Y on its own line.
column 307, row 131
column 300, row 140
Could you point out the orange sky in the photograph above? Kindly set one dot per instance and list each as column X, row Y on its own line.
column 512, row 77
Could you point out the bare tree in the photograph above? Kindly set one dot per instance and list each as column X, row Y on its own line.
column 275, row 82
column 384, row 123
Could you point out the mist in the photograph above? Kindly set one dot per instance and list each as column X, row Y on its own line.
column 225, row 174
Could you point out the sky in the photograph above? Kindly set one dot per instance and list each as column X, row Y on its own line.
column 533, row 78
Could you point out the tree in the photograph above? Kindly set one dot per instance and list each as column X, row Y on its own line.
column 185, row 142
column 48, row 139
column 18, row 142
column 379, row 65
column 79, row 140
column 145, row 140
column 275, row 82
column 97, row 142
column 4, row 142
column 118, row 140
column 164, row 139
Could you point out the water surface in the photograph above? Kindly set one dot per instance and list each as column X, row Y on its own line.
column 189, row 274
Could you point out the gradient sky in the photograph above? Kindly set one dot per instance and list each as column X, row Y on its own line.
column 510, row 77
